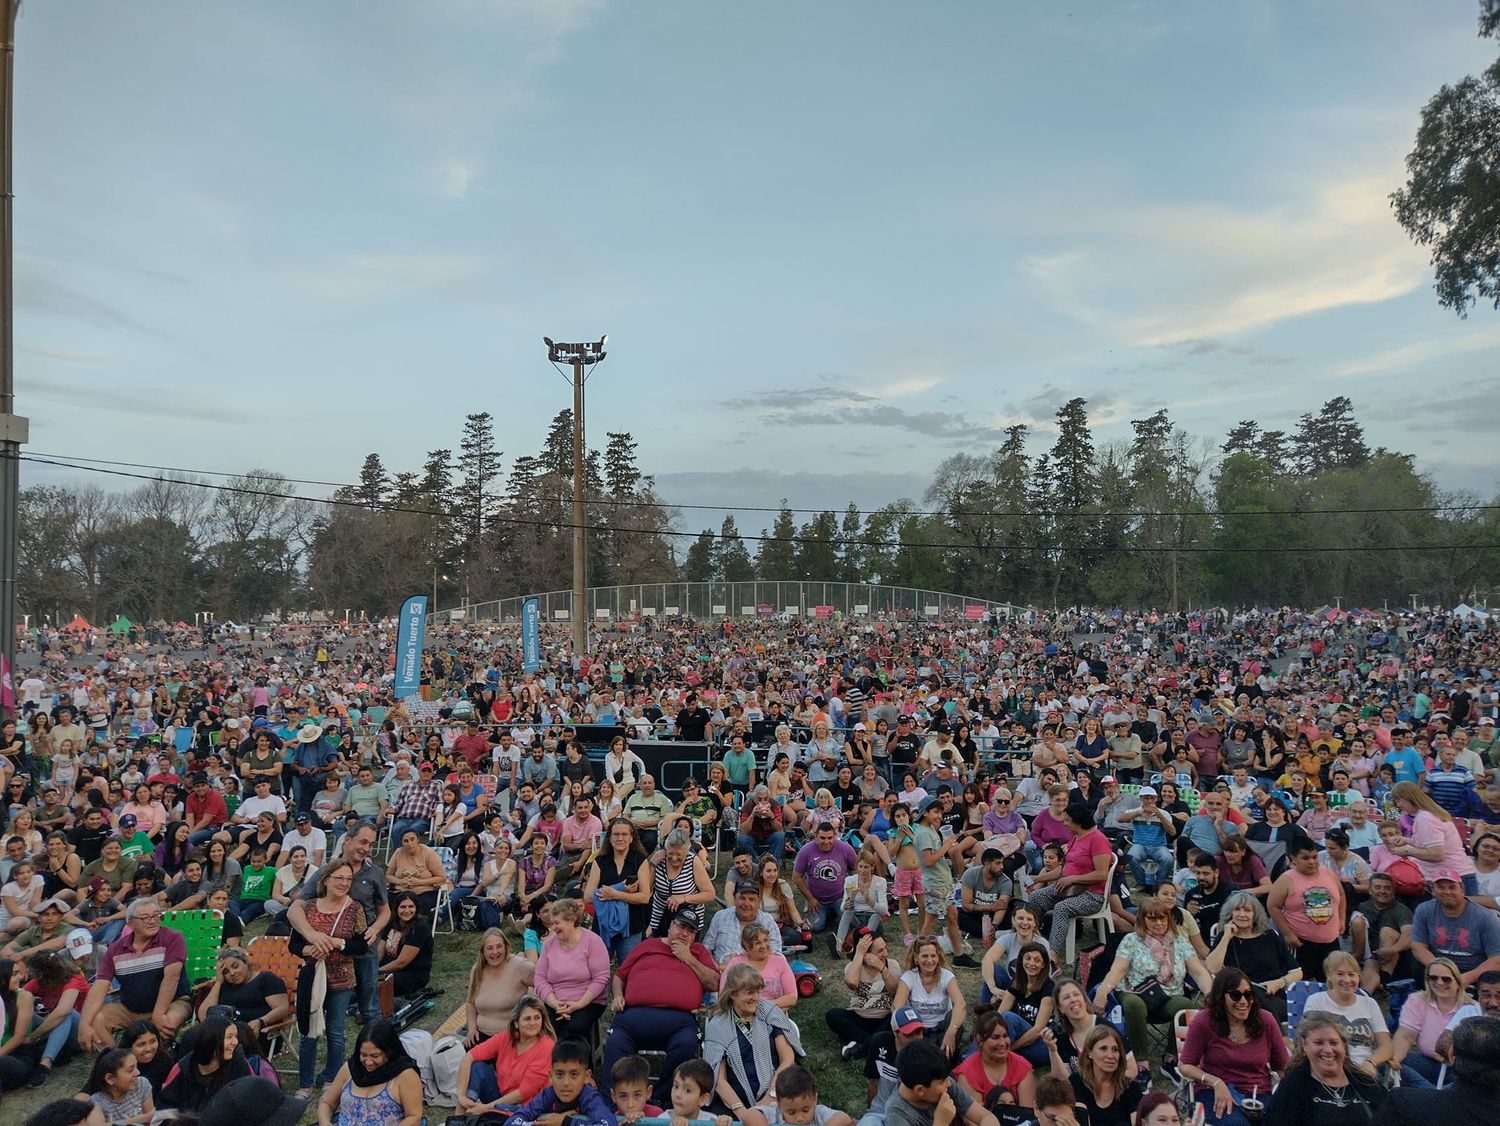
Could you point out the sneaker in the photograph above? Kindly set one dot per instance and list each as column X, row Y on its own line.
column 851, row 1049
column 966, row 962
column 833, row 946
column 40, row 1076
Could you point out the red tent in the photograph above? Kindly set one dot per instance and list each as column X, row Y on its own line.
column 77, row 625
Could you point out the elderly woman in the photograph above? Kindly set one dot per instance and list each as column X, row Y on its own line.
column 1154, row 954
column 1232, row 1048
column 1424, row 1017
column 780, row 983
column 325, row 984
column 679, row 880
column 572, row 972
column 1323, row 1086
column 1247, row 942
column 748, row 1042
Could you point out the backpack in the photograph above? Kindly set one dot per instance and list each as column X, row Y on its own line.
column 1407, row 877
column 440, row 1077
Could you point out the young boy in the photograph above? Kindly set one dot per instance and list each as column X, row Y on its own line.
column 572, row 1097
column 926, row 1096
column 630, row 1084
column 692, row 1091
column 795, row 1102
column 256, row 884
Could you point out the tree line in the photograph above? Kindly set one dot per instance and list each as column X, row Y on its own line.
column 1160, row 519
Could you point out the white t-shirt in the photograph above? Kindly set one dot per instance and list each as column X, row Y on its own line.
column 932, row 1007
column 31, row 690
column 1360, row 1022
column 253, row 807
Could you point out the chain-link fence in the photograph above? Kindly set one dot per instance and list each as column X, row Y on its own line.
column 742, row 600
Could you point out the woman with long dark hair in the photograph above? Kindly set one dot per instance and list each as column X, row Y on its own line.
column 620, row 876
column 172, row 852
column 16, row 1056
column 406, row 948
column 214, row 1061
column 116, row 1086
column 1233, row 1045
column 379, row 1086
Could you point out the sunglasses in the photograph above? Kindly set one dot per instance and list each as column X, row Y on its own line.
column 1239, row 994
column 1446, row 978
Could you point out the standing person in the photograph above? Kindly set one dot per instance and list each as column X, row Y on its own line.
column 572, row 973
column 333, row 931
column 369, row 891
column 313, row 758
column 620, row 875
column 1307, row 904
column 379, row 1086
column 679, row 882
column 937, row 881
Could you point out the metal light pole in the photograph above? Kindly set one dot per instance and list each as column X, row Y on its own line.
column 13, row 428
column 582, row 357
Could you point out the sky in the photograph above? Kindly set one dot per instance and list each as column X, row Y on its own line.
column 832, row 244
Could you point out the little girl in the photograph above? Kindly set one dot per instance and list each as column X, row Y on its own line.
column 864, row 899
column 903, row 842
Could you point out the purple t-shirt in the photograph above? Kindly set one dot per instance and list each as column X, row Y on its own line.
column 825, row 871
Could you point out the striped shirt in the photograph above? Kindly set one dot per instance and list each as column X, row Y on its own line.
column 1451, row 786
column 140, row 972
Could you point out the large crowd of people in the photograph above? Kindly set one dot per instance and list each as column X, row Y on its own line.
column 1078, row 867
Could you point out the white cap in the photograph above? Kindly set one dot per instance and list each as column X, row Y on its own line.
column 1146, row 792
column 80, row 943
column 860, row 727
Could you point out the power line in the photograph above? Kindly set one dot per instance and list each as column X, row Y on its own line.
column 838, row 541
column 617, row 502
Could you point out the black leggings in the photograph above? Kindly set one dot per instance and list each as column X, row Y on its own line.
column 849, row 1025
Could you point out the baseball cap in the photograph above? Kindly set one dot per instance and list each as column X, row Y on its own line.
column 906, row 1021
column 1108, row 779
column 860, row 727
column 1147, row 792
column 97, row 882
column 1450, row 874
column 425, row 766
column 1486, row 721
column 304, row 818
column 686, row 918
column 80, row 944
column 54, row 903
column 128, row 821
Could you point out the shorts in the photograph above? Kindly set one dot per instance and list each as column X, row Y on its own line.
column 938, row 900
column 908, row 882
column 116, row 1017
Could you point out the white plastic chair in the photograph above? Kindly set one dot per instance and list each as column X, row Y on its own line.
column 1102, row 916
column 445, row 893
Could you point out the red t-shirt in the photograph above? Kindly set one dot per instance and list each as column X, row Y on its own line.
column 656, row 978
column 972, row 1069
column 49, row 998
column 213, row 805
column 474, row 748
column 1081, row 853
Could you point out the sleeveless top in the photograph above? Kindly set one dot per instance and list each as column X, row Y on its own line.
column 686, row 883
column 380, row 1109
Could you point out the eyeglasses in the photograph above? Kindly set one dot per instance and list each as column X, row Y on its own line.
column 1239, row 994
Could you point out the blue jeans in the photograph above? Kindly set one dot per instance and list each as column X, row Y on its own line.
column 1420, row 1071
column 109, row 932
column 1235, row 1117
column 640, row 1027
column 772, row 844
column 484, row 1085
column 61, row 1034
column 1034, row 1053
column 202, row 836
column 1165, row 862
column 335, row 1010
column 366, row 976
column 824, row 916
column 422, row 826
column 306, row 787
column 621, row 945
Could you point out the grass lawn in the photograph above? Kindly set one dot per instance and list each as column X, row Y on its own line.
column 841, row 1083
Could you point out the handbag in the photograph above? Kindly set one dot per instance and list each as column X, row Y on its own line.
column 1151, row 992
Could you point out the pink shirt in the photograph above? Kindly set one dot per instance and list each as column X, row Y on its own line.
column 1081, row 853
column 571, row 974
column 1429, row 829
column 778, row 977
column 579, row 835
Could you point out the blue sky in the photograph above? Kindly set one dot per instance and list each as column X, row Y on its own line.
column 831, row 243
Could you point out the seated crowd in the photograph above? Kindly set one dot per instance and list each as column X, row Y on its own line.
column 1296, row 897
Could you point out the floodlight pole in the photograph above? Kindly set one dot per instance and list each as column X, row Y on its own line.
column 581, row 356
column 13, row 428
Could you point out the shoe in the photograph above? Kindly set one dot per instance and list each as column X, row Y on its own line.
column 966, row 962
column 852, row 1049
column 40, row 1076
column 833, row 945
column 1168, row 1068
column 304, row 1092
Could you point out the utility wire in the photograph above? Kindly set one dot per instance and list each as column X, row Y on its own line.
column 838, row 541
column 615, row 502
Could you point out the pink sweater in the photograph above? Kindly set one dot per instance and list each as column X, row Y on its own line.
column 569, row 974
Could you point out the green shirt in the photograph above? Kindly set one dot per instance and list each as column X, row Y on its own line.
column 137, row 845
column 257, row 883
column 739, row 766
column 365, row 800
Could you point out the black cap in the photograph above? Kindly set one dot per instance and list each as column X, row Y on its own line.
column 252, row 1099
column 304, row 818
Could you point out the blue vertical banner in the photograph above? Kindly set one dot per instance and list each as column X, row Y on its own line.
column 409, row 638
column 531, row 635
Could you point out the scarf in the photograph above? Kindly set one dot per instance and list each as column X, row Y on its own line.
column 729, row 1036
column 1165, row 953
column 362, row 1076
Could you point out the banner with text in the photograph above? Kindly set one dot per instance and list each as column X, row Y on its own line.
column 409, row 639
column 531, row 635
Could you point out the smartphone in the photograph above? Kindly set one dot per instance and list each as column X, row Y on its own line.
column 1197, row 1114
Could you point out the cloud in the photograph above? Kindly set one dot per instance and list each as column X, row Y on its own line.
column 148, row 402
column 1168, row 275
column 454, row 177
column 356, row 279
column 1470, row 406
column 40, row 291
column 828, row 404
column 64, row 356
column 1421, row 352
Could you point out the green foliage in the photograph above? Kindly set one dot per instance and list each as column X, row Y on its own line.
column 1451, row 200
